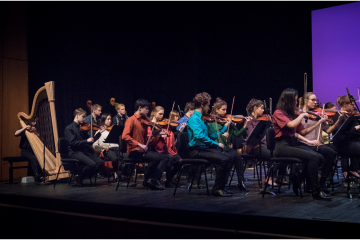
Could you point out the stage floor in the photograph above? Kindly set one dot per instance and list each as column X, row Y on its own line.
column 242, row 211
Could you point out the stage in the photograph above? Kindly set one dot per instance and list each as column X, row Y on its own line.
column 99, row 211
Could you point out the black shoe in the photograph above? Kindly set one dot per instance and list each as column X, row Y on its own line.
column 320, row 195
column 38, row 178
column 221, row 193
column 242, row 187
column 324, row 187
column 78, row 181
column 169, row 184
column 153, row 184
column 227, row 191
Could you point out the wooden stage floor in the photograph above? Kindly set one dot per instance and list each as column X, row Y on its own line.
column 283, row 215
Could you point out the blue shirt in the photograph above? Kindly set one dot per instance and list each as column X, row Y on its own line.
column 199, row 132
column 184, row 119
column 88, row 119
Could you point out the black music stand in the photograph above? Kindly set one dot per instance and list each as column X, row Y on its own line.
column 255, row 137
column 114, row 136
column 343, row 135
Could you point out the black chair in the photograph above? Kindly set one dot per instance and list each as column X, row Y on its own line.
column 130, row 163
column 11, row 160
column 183, row 151
column 270, row 141
column 69, row 164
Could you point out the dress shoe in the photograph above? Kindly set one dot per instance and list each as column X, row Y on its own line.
column 242, row 187
column 78, row 181
column 220, row 193
column 38, row 178
column 169, row 184
column 153, row 184
column 227, row 191
column 324, row 187
column 320, row 195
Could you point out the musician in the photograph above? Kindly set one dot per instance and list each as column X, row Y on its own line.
column 255, row 109
column 121, row 116
column 288, row 129
column 219, row 110
column 164, row 143
column 201, row 146
column 27, row 152
column 81, row 149
column 347, row 106
column 308, row 101
column 189, row 109
column 135, row 135
column 110, row 150
column 95, row 114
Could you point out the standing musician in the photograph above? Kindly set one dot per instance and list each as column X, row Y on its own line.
column 255, row 109
column 164, row 143
column 135, row 135
column 288, row 129
column 95, row 114
column 27, row 152
column 347, row 107
column 201, row 146
column 308, row 101
column 220, row 107
column 110, row 150
column 121, row 116
column 189, row 109
column 80, row 149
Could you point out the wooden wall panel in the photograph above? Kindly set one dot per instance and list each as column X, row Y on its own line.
column 15, row 99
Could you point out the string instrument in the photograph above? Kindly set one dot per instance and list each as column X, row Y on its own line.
column 235, row 118
column 264, row 117
column 165, row 122
column 210, row 118
column 312, row 115
column 146, row 122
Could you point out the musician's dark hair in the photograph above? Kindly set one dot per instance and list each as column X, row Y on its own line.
column 252, row 104
column 189, row 106
column 103, row 118
column 201, row 99
column 287, row 102
column 329, row 105
column 141, row 103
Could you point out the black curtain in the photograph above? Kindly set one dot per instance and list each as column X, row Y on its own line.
column 167, row 51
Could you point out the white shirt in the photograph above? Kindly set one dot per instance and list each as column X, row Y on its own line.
column 100, row 142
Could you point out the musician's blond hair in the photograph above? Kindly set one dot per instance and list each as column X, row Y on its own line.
column 79, row 111
column 95, row 107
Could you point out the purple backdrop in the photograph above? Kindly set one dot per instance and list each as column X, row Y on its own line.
column 336, row 51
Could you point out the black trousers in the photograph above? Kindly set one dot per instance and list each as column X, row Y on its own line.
column 215, row 156
column 157, row 162
column 173, row 166
column 266, row 156
column 328, row 160
column 92, row 163
column 113, row 156
column 290, row 148
column 354, row 155
column 34, row 167
column 239, row 165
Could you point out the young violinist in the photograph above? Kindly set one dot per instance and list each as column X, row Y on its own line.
column 164, row 143
column 201, row 146
column 121, row 116
column 347, row 107
column 308, row 101
column 219, row 110
column 288, row 129
column 189, row 109
column 81, row 149
column 26, row 150
column 95, row 114
column 110, row 150
column 135, row 136
column 255, row 109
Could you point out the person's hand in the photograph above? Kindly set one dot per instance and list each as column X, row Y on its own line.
column 226, row 134
column 247, row 120
column 324, row 118
column 106, row 147
column 102, row 129
column 315, row 143
column 306, row 115
column 183, row 125
column 357, row 127
column 28, row 127
column 221, row 145
column 90, row 139
column 144, row 147
column 227, row 122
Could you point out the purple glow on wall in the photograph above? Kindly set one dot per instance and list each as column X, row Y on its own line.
column 336, row 51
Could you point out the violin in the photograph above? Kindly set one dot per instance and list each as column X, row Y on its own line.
column 147, row 122
column 95, row 127
column 312, row 115
column 210, row 118
column 264, row 117
column 235, row 118
column 165, row 122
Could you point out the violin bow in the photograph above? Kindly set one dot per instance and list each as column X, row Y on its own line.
column 320, row 126
column 172, row 109
column 217, row 129
column 147, row 143
column 232, row 106
column 89, row 104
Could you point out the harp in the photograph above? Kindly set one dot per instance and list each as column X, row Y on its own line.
column 43, row 108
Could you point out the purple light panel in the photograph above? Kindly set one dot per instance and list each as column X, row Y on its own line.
column 336, row 51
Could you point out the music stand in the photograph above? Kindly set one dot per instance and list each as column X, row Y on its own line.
column 113, row 137
column 255, row 137
column 341, row 135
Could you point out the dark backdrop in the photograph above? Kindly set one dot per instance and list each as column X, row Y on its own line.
column 167, row 51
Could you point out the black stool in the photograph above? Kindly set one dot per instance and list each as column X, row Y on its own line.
column 11, row 160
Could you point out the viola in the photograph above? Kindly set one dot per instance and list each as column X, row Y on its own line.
column 165, row 122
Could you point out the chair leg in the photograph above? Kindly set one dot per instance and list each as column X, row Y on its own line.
column 245, row 163
column 137, row 170
column 57, row 175
column 281, row 181
column 192, row 181
column 129, row 176
column 206, row 182
column 77, row 169
column 232, row 175
column 266, row 182
column 108, row 175
column 178, row 180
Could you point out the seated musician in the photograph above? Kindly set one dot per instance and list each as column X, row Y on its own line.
column 308, row 101
column 110, row 150
column 121, row 116
column 135, row 136
column 288, row 129
column 255, row 109
column 220, row 107
column 27, row 152
column 201, row 146
column 353, row 148
column 164, row 143
column 95, row 114
column 189, row 109
column 81, row 149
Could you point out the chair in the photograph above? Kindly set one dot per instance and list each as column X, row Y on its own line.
column 183, row 151
column 69, row 163
column 11, row 160
column 270, row 141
